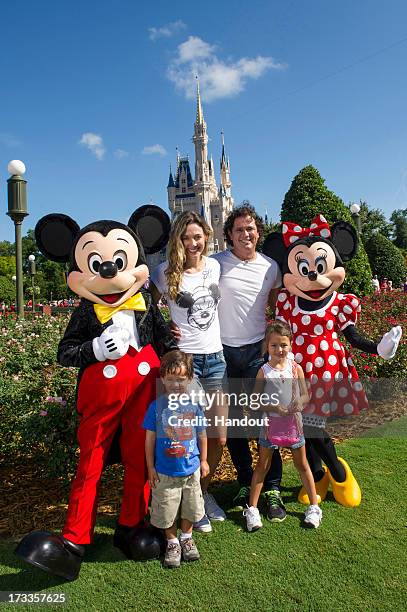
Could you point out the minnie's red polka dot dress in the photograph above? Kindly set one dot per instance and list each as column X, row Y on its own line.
column 332, row 378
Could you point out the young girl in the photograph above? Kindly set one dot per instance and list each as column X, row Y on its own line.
column 190, row 283
column 282, row 376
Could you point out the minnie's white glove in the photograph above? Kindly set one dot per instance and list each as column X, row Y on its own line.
column 112, row 344
column 387, row 346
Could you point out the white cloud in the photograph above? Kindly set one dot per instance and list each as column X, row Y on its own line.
column 167, row 30
column 156, row 149
column 194, row 49
column 10, row 141
column 121, row 153
column 218, row 78
column 93, row 142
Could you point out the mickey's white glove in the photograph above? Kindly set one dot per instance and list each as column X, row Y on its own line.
column 112, row 344
column 387, row 346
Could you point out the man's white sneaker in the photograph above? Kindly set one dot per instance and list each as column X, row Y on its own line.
column 253, row 519
column 212, row 510
column 313, row 516
column 204, row 525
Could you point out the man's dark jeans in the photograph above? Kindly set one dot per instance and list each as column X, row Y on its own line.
column 242, row 364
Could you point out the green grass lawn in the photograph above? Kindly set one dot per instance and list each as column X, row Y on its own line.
column 356, row 560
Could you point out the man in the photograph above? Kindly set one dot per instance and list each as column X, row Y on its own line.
column 249, row 282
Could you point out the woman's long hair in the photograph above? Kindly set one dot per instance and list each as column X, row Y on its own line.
column 176, row 251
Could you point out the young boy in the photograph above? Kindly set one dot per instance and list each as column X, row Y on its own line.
column 176, row 448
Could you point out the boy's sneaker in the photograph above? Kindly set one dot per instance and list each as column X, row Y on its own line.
column 212, row 510
column 204, row 525
column 276, row 512
column 172, row 555
column 241, row 501
column 189, row 550
column 253, row 520
column 313, row 516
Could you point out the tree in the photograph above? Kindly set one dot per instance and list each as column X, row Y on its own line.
column 7, row 290
column 399, row 222
column 373, row 221
column 309, row 196
column 6, row 248
column 386, row 260
column 7, row 265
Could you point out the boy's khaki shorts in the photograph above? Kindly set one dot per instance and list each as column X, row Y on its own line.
column 175, row 495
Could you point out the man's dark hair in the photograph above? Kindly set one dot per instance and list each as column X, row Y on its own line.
column 244, row 210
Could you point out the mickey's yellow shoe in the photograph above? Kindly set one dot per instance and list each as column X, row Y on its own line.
column 346, row 493
column 321, row 487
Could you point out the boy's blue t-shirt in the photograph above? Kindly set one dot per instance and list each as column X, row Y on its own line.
column 176, row 447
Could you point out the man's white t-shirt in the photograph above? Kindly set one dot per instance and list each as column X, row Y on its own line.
column 245, row 288
column 195, row 310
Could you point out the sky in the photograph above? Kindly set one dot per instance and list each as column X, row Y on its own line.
column 96, row 96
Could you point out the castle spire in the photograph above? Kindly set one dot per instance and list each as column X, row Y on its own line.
column 199, row 112
column 170, row 179
column 223, row 161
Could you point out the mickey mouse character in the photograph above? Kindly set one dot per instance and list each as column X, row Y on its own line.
column 311, row 260
column 114, row 336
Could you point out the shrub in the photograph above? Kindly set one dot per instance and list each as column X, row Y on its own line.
column 32, row 425
column 386, row 260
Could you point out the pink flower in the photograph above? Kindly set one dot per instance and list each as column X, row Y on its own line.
column 43, row 413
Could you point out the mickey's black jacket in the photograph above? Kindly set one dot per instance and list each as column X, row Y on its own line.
column 75, row 348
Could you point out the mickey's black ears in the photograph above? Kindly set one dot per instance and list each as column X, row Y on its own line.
column 274, row 247
column 345, row 239
column 152, row 225
column 55, row 235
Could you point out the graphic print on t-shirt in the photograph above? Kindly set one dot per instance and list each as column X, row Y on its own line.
column 178, row 435
column 201, row 304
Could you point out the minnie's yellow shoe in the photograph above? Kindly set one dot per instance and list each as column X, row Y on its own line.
column 346, row 493
column 321, row 487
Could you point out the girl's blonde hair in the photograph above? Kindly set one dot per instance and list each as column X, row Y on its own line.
column 176, row 251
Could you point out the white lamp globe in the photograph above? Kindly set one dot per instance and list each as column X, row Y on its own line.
column 16, row 167
column 31, row 258
column 355, row 209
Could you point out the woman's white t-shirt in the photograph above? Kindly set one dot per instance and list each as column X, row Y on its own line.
column 195, row 309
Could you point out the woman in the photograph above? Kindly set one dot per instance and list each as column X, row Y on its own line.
column 189, row 281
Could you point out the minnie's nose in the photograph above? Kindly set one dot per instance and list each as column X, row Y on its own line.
column 312, row 276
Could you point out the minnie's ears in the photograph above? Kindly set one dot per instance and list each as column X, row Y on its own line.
column 55, row 235
column 274, row 247
column 152, row 225
column 345, row 239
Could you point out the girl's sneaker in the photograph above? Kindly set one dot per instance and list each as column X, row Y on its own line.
column 313, row 516
column 253, row 519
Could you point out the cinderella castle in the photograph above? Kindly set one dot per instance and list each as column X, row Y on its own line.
column 202, row 194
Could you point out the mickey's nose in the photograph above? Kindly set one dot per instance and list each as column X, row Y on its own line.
column 312, row 276
column 108, row 269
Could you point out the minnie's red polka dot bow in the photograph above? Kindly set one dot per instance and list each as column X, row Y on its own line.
column 293, row 232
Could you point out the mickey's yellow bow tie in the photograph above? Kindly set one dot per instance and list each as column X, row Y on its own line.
column 104, row 313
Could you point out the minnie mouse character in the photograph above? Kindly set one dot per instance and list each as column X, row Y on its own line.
column 114, row 336
column 311, row 260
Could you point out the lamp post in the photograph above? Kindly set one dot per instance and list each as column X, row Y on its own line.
column 355, row 210
column 17, row 210
column 32, row 271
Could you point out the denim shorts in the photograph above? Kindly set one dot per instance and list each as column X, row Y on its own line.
column 266, row 444
column 210, row 369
